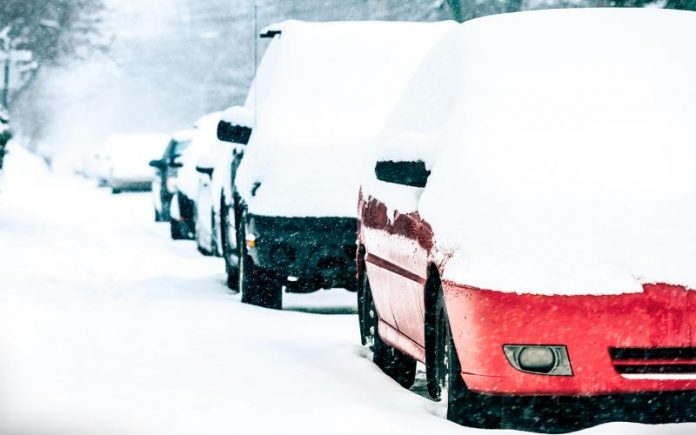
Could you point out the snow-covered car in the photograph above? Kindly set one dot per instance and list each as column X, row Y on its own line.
column 125, row 157
column 164, row 183
column 235, row 128
column 528, row 228
column 183, row 204
column 218, row 167
column 210, row 166
column 322, row 91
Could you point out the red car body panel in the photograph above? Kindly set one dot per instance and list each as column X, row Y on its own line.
column 398, row 254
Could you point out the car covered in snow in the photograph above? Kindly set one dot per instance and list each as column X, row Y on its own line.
column 214, row 168
column 235, row 127
column 125, row 157
column 164, row 182
column 218, row 167
column 183, row 205
column 321, row 93
column 527, row 230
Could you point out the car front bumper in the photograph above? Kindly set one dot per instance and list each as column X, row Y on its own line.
column 316, row 252
column 603, row 336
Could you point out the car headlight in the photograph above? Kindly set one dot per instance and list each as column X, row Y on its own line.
column 540, row 360
column 171, row 184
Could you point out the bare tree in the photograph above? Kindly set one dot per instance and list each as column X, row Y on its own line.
column 49, row 31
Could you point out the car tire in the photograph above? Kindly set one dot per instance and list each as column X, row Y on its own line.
column 116, row 190
column 158, row 216
column 394, row 363
column 258, row 286
column 464, row 406
column 213, row 238
column 177, row 230
column 231, row 267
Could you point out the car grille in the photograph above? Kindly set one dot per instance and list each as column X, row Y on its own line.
column 654, row 361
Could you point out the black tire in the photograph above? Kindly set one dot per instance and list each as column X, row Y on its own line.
column 213, row 240
column 158, row 216
column 116, row 190
column 394, row 363
column 228, row 252
column 177, row 230
column 464, row 406
column 258, row 286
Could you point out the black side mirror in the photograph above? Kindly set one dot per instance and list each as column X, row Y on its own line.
column 205, row 171
column 413, row 174
column 158, row 164
column 228, row 132
column 176, row 164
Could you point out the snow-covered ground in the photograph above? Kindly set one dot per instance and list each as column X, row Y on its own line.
column 108, row 327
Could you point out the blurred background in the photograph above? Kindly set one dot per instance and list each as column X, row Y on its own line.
column 76, row 71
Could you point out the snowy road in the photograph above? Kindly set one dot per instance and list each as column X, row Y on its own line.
column 108, row 327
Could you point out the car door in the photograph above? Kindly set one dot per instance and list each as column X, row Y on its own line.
column 397, row 261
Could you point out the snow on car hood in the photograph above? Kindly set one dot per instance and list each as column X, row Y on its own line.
column 323, row 92
column 565, row 161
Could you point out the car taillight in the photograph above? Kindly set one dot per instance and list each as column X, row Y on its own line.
column 171, row 184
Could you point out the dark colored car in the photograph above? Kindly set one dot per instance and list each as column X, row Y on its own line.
column 164, row 184
column 294, row 223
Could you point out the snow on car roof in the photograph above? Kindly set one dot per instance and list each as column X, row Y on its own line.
column 322, row 93
column 184, row 135
column 564, row 149
column 239, row 115
column 136, row 143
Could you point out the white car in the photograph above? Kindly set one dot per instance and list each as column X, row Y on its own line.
column 183, row 204
column 124, row 161
column 217, row 167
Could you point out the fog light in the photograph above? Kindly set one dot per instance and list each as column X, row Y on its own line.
column 537, row 359
column 542, row 360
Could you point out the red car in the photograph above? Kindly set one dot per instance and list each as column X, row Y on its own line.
column 529, row 233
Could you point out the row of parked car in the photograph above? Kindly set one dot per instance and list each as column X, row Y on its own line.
column 511, row 199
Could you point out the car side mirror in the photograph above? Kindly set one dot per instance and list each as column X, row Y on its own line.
column 176, row 164
column 413, row 174
column 158, row 164
column 228, row 132
column 205, row 170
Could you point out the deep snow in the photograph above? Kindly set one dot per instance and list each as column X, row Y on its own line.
column 108, row 327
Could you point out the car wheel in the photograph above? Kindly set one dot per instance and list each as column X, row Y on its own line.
column 231, row 267
column 116, row 190
column 258, row 286
column 396, row 364
column 213, row 236
column 177, row 230
column 464, row 406
column 158, row 216
column 364, row 320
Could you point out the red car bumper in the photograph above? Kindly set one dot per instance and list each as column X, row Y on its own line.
column 618, row 344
